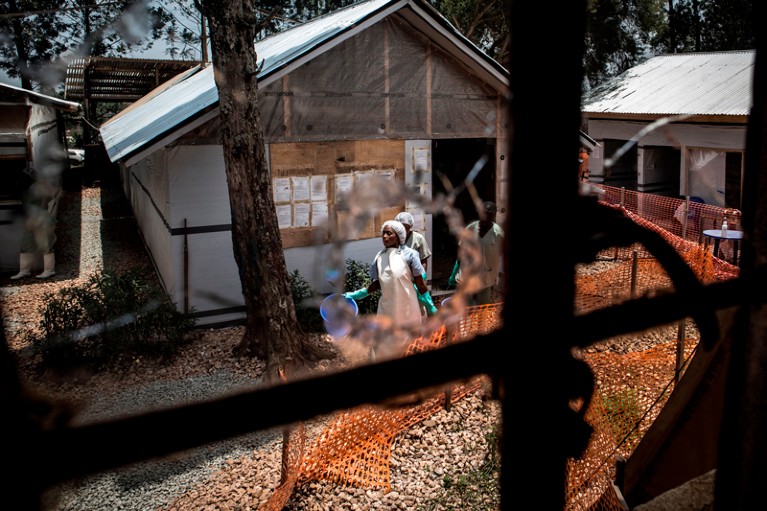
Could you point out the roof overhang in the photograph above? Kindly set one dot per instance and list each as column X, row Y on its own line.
column 690, row 119
column 11, row 93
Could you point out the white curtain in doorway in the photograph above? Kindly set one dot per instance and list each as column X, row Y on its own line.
column 707, row 175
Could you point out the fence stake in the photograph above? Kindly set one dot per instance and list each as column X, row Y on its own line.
column 679, row 350
column 634, row 264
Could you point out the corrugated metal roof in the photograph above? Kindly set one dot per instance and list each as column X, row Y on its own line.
column 12, row 93
column 118, row 79
column 679, row 84
column 168, row 106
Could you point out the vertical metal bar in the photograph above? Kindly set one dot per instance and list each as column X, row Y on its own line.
column 533, row 464
column 186, row 269
column 742, row 448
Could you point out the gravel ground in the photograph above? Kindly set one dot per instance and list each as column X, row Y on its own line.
column 97, row 231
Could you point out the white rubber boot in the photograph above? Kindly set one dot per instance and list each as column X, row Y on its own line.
column 49, row 266
column 25, row 266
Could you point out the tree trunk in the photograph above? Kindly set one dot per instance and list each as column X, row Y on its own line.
column 272, row 331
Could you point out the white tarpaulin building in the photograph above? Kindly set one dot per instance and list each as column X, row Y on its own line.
column 383, row 88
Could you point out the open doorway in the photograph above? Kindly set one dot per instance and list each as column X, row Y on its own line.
column 452, row 160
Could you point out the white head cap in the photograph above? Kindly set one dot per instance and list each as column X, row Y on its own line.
column 398, row 228
column 406, row 218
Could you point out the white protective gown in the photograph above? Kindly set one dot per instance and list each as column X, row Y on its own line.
column 398, row 299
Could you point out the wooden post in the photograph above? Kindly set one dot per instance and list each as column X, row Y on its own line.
column 634, row 264
column 679, row 350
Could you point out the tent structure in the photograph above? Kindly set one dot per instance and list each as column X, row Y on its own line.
column 674, row 125
column 382, row 89
column 31, row 135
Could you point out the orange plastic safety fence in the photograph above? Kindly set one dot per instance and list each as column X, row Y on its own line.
column 355, row 448
column 293, row 452
column 631, row 388
column 687, row 220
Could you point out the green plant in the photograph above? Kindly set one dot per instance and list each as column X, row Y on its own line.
column 110, row 316
column 300, row 289
column 476, row 490
column 358, row 275
column 307, row 314
column 624, row 414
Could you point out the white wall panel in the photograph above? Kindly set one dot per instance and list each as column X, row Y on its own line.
column 198, row 190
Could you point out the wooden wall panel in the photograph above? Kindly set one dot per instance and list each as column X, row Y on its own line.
column 332, row 159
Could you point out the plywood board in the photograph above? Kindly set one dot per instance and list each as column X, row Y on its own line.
column 333, row 160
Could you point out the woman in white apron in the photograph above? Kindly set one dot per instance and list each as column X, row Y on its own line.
column 394, row 271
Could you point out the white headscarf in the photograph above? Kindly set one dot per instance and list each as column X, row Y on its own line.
column 405, row 218
column 398, row 228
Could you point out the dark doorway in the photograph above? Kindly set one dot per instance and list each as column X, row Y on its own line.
column 623, row 173
column 453, row 160
column 733, row 168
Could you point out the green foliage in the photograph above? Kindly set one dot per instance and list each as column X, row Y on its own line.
column 307, row 311
column 110, row 316
column 308, row 315
column 358, row 275
column 621, row 34
column 624, row 415
column 30, row 43
column 727, row 25
column 618, row 35
column 479, row 489
column 485, row 23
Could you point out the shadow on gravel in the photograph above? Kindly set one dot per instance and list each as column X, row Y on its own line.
column 69, row 231
column 121, row 242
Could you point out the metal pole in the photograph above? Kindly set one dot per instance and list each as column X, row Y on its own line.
column 186, row 269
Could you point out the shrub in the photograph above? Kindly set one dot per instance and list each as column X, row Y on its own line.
column 110, row 316
column 308, row 312
column 357, row 275
column 308, row 315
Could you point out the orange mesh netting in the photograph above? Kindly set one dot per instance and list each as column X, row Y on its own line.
column 630, row 390
column 355, row 449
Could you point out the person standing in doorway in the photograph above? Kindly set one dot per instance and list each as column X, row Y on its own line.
column 415, row 239
column 488, row 266
column 417, row 242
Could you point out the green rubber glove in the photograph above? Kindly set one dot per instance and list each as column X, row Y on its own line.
column 357, row 295
column 425, row 299
column 451, row 281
